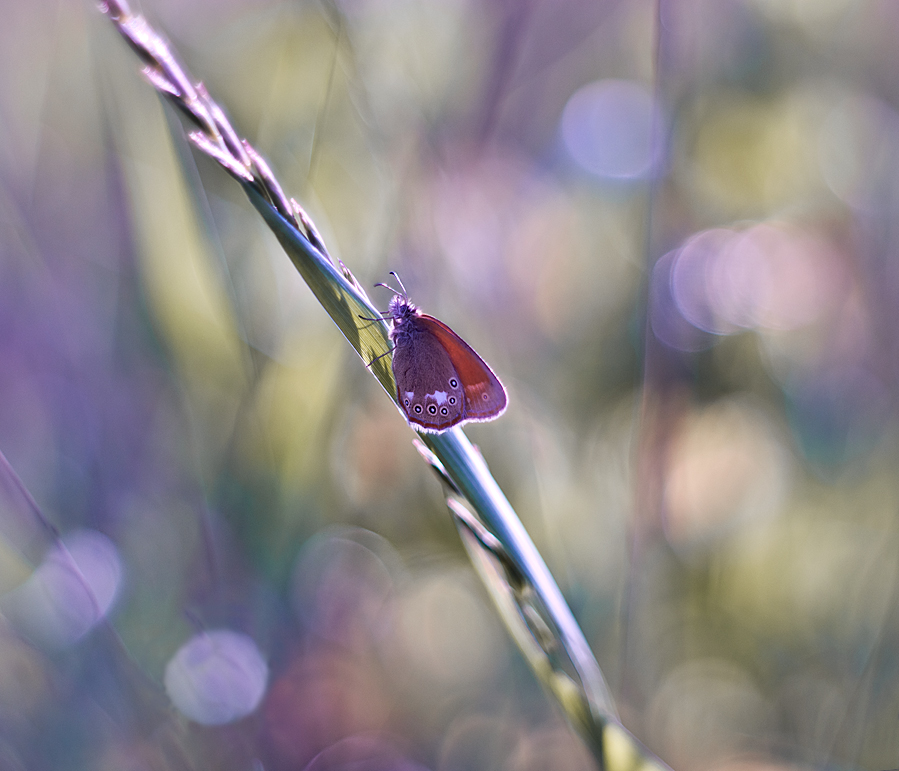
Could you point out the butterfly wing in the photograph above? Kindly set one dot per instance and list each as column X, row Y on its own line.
column 429, row 389
column 484, row 396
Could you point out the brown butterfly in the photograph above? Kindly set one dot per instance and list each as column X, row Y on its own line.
column 440, row 381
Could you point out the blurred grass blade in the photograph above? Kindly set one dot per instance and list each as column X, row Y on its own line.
column 22, row 524
column 46, row 596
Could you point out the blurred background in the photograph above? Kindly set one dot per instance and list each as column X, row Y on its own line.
column 669, row 229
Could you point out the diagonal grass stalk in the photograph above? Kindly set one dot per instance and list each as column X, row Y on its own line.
column 529, row 600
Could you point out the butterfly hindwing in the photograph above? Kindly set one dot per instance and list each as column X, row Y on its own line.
column 485, row 397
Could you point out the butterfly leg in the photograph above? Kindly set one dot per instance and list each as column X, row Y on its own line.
column 380, row 357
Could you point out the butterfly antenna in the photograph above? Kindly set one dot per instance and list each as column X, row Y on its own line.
column 395, row 291
column 400, row 282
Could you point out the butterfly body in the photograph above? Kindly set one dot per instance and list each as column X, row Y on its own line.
column 441, row 381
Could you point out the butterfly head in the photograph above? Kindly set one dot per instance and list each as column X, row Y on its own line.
column 400, row 309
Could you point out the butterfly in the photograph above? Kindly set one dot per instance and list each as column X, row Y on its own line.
column 440, row 381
